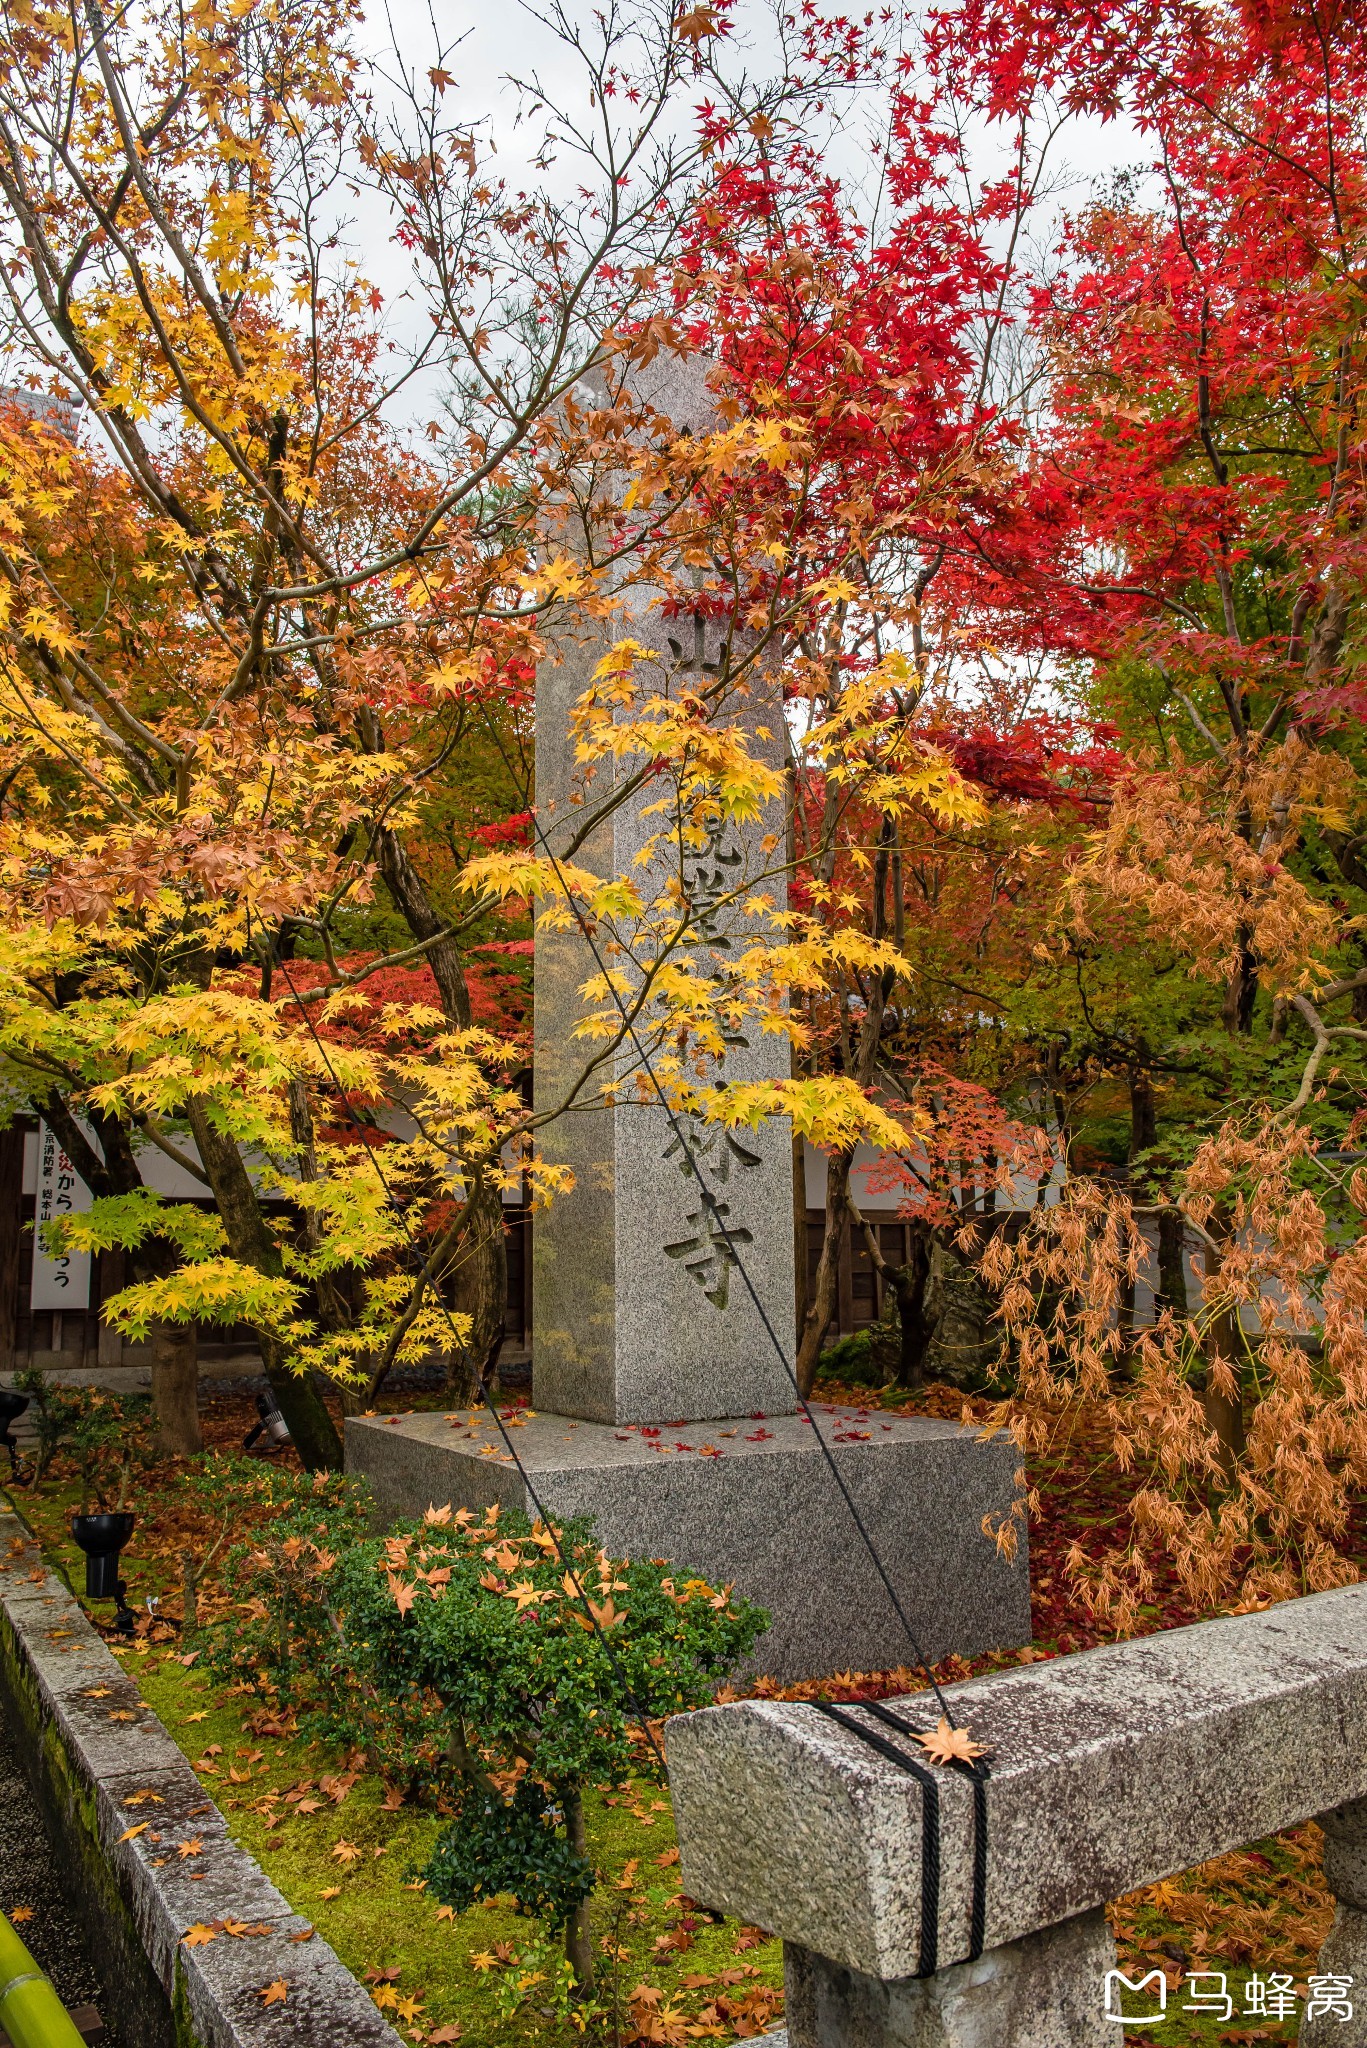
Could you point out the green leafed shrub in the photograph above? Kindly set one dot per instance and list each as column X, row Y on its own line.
column 495, row 1664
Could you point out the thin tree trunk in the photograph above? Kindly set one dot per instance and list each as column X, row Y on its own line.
column 1223, row 1397
column 578, row 1939
column 175, row 1389
column 910, row 1284
column 334, row 1310
column 799, row 1235
column 482, row 1261
column 821, row 1306
column 310, row 1425
column 480, row 1278
column 189, row 1624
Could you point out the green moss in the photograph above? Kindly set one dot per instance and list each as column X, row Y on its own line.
column 378, row 1921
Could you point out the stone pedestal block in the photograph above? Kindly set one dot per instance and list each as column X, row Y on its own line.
column 1047, row 1991
column 1344, row 1955
column 754, row 1503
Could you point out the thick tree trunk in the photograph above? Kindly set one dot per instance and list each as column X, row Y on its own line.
column 175, row 1389
column 1241, row 991
column 911, row 1283
column 1172, row 1272
column 1223, row 1403
column 302, row 1406
column 1143, row 1114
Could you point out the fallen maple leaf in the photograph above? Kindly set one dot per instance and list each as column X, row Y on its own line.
column 409, row 2008
column 99, row 1692
column 304, row 1934
column 190, row 1848
column 945, row 1745
column 274, row 1994
column 202, row 1715
column 450, row 2032
column 131, row 1834
column 21, row 1914
column 669, row 1856
column 345, row 1852
column 198, row 1935
column 484, row 1961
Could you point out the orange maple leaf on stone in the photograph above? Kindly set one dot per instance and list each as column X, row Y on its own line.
column 274, row 1994
column 198, row 1935
column 945, row 1745
column 21, row 1914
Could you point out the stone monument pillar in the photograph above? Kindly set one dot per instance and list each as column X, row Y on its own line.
column 662, row 1406
column 640, row 1313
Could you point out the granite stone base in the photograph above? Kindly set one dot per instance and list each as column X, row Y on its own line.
column 755, row 1503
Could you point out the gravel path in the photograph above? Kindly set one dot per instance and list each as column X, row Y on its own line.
column 28, row 1878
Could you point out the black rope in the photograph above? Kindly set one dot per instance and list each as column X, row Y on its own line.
column 714, row 1207
column 930, row 1829
column 637, row 1709
column 976, row 1770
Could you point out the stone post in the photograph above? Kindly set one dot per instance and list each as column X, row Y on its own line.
column 1047, row 1990
column 640, row 1314
column 1345, row 1951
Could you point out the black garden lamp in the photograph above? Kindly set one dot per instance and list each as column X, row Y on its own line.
column 102, row 1537
column 12, row 1406
column 272, row 1425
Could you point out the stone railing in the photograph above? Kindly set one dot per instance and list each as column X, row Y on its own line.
column 1107, row 1771
column 117, row 1798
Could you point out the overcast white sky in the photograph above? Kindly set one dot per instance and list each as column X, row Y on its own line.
column 487, row 46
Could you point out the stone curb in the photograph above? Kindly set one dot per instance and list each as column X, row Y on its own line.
column 101, row 1764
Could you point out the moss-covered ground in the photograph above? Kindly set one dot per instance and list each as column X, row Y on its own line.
column 346, row 1856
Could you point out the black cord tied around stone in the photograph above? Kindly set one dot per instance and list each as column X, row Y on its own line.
column 977, row 1772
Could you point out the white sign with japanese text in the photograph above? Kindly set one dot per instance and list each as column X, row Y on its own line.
column 58, row 1283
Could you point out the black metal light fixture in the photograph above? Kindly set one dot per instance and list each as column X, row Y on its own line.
column 12, row 1406
column 102, row 1537
column 272, row 1425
